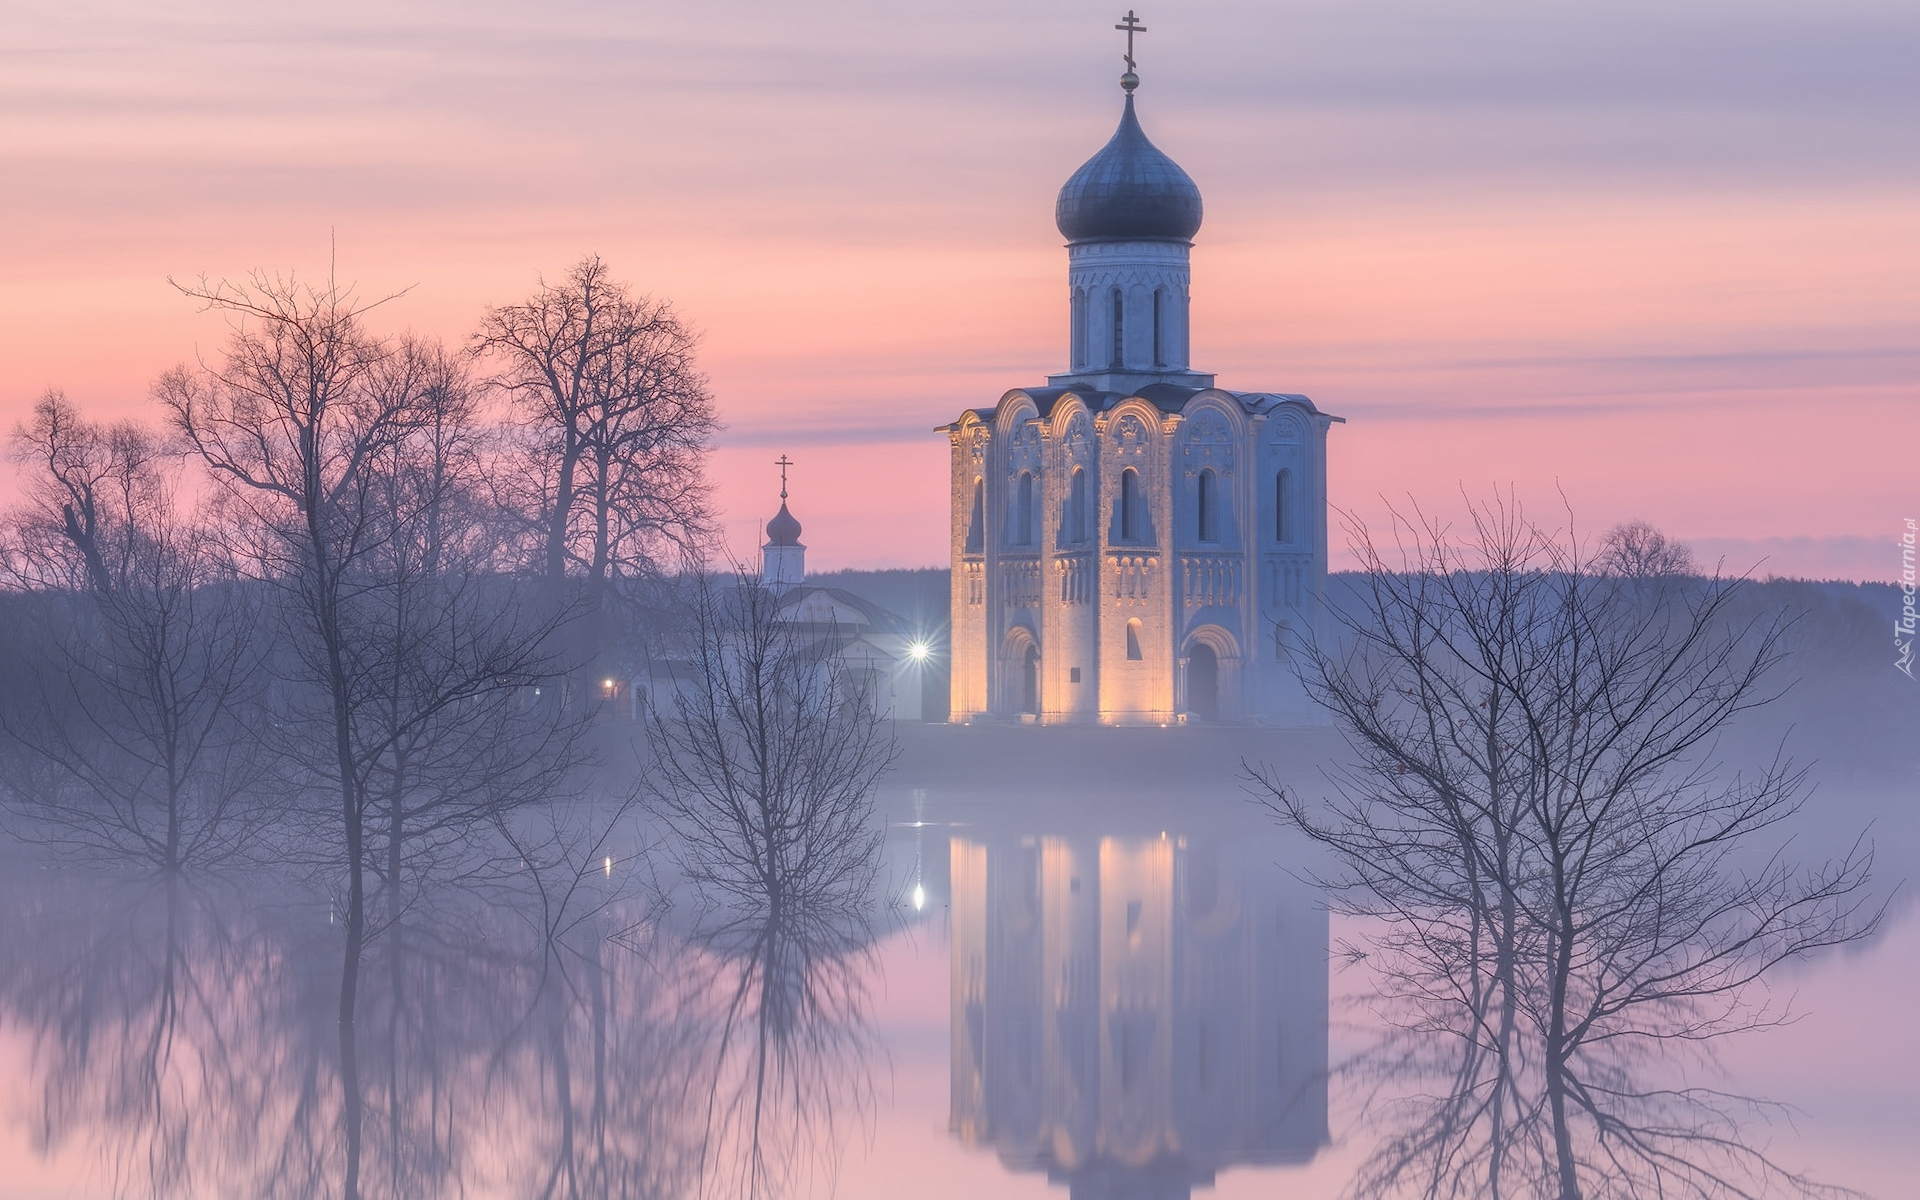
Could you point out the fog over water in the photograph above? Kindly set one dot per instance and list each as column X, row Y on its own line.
column 406, row 789
column 561, row 1027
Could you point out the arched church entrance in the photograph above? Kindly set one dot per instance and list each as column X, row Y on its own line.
column 1203, row 682
column 1210, row 681
column 1019, row 674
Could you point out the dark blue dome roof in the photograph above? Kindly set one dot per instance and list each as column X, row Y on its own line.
column 783, row 530
column 1129, row 192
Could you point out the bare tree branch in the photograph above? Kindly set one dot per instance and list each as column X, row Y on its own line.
column 1572, row 897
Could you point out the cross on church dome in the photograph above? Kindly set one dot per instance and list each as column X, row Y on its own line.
column 783, row 559
column 1131, row 543
column 783, row 530
column 1130, row 26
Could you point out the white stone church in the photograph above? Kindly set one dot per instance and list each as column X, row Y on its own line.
column 1132, row 544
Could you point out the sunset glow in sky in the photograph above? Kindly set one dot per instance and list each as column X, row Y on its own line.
column 1664, row 258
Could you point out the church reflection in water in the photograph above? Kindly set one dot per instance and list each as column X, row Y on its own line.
column 1134, row 1016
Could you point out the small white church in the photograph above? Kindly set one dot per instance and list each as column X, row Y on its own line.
column 1130, row 543
column 870, row 650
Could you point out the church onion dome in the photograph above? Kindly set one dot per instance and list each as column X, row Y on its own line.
column 1129, row 192
column 783, row 530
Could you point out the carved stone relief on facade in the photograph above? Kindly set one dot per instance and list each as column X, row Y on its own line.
column 1208, row 442
column 1079, row 435
column 1130, row 436
column 978, row 443
column 1284, row 427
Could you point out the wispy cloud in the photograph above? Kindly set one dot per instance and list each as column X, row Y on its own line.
column 1570, row 234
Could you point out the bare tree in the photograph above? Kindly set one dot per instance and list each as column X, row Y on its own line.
column 140, row 691
column 90, row 489
column 289, row 422
column 1571, row 898
column 615, row 421
column 343, row 465
column 1636, row 550
column 448, row 649
column 766, row 765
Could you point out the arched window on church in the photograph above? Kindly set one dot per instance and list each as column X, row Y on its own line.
column 1129, row 505
column 1282, row 642
column 1079, row 328
column 1119, row 328
column 1023, row 512
column 1077, row 507
column 1209, row 505
column 1283, row 506
column 974, row 522
column 1134, row 629
column 1159, row 342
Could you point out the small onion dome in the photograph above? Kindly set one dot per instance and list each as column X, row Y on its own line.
column 1129, row 192
column 783, row 530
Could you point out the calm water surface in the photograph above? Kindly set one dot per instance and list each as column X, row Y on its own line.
column 1099, row 993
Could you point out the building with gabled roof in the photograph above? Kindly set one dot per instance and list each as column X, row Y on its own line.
column 872, row 649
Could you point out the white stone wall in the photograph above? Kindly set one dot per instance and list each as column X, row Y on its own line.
column 968, row 640
column 1098, row 273
column 1070, row 580
column 1136, row 583
column 1071, row 574
column 1211, row 577
column 783, row 567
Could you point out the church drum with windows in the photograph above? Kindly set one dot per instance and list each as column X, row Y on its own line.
column 1130, row 543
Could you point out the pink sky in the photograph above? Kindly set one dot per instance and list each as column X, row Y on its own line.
column 1668, row 262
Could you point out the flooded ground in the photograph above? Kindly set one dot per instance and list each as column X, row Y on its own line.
column 1097, row 971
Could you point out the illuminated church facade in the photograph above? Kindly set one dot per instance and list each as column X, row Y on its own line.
column 1132, row 544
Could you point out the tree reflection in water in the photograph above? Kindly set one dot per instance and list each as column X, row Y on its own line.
column 180, row 1031
column 791, row 1051
column 525, row 1021
column 765, row 771
column 542, row 1035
